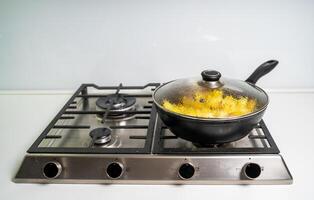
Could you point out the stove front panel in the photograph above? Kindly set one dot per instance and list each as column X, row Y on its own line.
column 154, row 169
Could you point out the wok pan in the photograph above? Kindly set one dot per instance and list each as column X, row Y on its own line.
column 213, row 130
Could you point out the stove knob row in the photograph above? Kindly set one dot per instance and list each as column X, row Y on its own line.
column 252, row 170
column 114, row 170
column 52, row 169
column 186, row 171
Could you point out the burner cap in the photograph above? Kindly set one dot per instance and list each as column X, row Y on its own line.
column 100, row 135
column 119, row 102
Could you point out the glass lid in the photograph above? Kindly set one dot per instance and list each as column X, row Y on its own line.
column 210, row 96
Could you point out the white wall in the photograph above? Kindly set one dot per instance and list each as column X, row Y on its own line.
column 60, row 44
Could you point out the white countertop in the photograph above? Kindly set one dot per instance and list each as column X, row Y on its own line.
column 289, row 117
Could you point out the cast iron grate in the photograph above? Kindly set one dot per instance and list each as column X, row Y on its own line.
column 82, row 92
column 160, row 138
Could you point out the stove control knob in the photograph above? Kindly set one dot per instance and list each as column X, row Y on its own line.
column 252, row 170
column 52, row 169
column 114, row 170
column 186, row 171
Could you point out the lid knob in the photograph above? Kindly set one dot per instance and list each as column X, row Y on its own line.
column 210, row 75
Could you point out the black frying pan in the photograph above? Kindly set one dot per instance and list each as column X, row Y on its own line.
column 213, row 130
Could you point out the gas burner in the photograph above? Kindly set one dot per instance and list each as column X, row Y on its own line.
column 100, row 136
column 208, row 145
column 115, row 142
column 116, row 102
column 120, row 102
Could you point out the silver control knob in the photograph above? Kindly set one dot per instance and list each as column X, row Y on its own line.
column 186, row 171
column 252, row 170
column 114, row 170
column 52, row 169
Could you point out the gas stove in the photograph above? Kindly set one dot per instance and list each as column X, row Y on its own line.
column 114, row 135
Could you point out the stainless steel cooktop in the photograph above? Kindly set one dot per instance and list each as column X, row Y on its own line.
column 114, row 135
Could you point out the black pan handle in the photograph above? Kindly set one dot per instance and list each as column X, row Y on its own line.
column 262, row 70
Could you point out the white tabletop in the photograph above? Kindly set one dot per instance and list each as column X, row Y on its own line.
column 289, row 117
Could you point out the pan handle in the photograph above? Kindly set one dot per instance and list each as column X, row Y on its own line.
column 262, row 70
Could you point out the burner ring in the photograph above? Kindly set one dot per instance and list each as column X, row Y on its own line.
column 119, row 102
